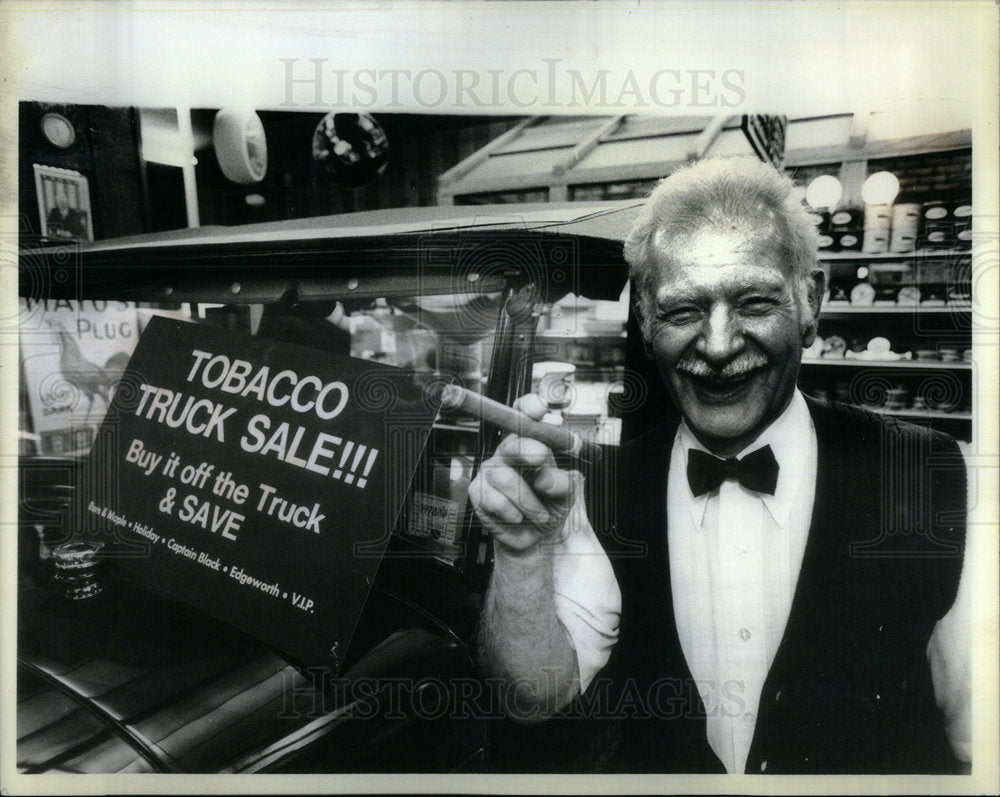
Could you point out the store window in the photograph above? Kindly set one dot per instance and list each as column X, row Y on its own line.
column 630, row 189
column 504, row 197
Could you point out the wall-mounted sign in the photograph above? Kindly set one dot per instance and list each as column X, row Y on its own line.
column 73, row 353
column 256, row 480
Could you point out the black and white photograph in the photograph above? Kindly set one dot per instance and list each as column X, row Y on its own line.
column 63, row 203
column 559, row 397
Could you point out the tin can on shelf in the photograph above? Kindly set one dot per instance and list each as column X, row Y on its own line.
column 876, row 236
column 961, row 212
column 936, row 225
column 826, row 240
column 846, row 225
column 905, row 226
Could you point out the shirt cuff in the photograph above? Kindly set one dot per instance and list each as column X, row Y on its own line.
column 586, row 594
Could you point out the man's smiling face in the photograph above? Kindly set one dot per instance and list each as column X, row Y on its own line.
column 727, row 331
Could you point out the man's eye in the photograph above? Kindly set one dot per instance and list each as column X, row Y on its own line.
column 679, row 315
column 758, row 304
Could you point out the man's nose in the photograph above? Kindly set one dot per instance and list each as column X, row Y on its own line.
column 721, row 335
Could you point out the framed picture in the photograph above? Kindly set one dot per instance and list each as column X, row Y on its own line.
column 63, row 203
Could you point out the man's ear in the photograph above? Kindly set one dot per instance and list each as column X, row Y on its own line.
column 814, row 289
column 637, row 313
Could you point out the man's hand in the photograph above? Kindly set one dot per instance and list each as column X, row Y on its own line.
column 523, row 500
column 520, row 495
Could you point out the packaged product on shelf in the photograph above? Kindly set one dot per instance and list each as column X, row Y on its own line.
column 826, row 242
column 846, row 227
column 863, row 295
column 877, row 220
column 905, row 226
column 936, row 228
column 835, row 347
column 888, row 279
column 932, row 279
column 838, row 296
column 878, row 349
column 962, row 214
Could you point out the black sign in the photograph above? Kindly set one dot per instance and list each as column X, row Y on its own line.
column 256, row 480
column 766, row 135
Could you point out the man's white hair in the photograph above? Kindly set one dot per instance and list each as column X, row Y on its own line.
column 719, row 194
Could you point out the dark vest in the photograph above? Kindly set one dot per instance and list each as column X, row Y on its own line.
column 850, row 688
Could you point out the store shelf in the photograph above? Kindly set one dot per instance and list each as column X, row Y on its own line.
column 906, row 364
column 863, row 256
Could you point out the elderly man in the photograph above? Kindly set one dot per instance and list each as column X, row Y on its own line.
column 771, row 599
column 65, row 221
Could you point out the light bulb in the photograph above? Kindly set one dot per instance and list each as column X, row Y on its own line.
column 880, row 188
column 824, row 192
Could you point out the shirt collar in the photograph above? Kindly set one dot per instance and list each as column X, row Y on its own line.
column 787, row 436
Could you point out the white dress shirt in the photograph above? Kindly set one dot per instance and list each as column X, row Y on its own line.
column 735, row 558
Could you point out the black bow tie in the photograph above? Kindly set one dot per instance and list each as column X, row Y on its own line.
column 757, row 471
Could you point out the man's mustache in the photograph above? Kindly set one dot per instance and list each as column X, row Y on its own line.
column 693, row 365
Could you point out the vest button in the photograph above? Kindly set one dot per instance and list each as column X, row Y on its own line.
column 763, row 765
column 777, row 696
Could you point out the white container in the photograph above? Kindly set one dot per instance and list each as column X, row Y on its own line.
column 905, row 226
column 553, row 380
column 878, row 219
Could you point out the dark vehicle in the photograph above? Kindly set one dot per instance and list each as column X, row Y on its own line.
column 121, row 679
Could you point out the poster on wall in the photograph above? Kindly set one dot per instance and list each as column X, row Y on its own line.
column 63, row 204
column 257, row 480
column 73, row 353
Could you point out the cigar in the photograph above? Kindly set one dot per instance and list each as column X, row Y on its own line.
column 560, row 439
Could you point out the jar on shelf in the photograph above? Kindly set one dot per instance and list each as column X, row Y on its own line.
column 78, row 570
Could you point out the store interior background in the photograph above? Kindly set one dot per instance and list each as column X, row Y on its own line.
column 156, row 169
